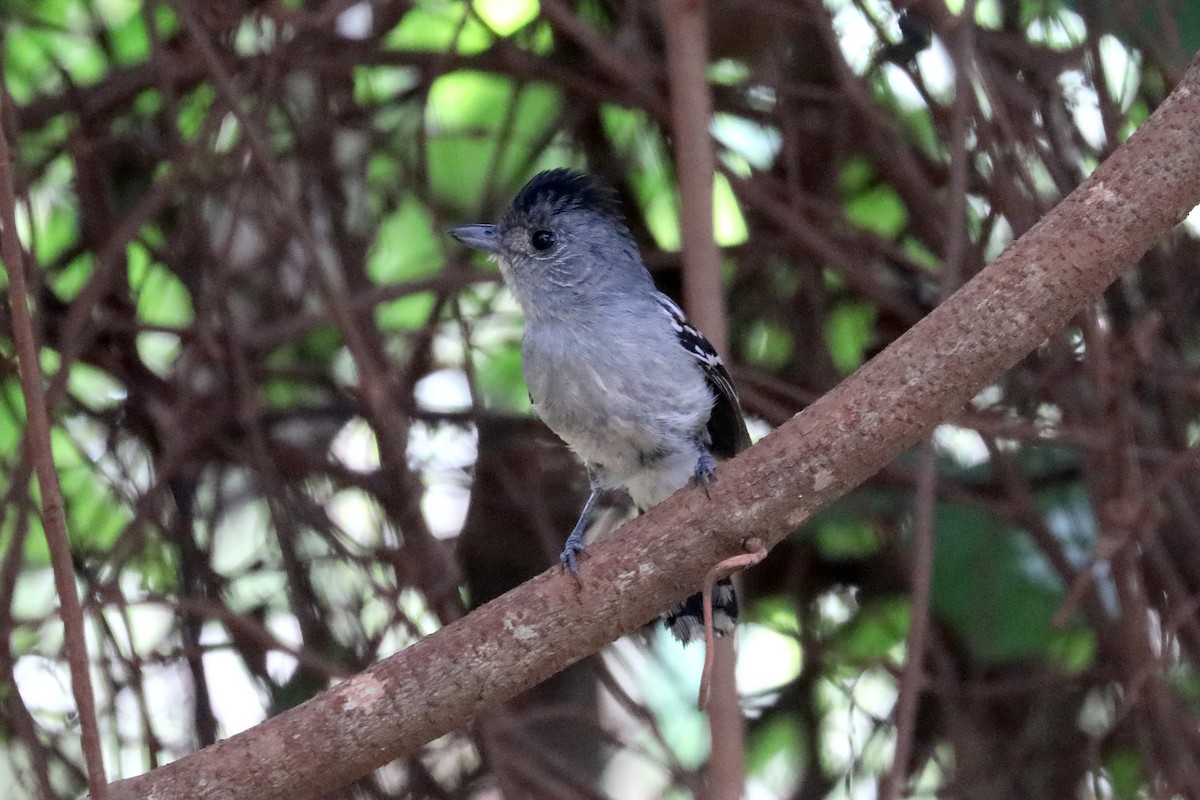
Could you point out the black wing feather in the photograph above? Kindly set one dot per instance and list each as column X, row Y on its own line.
column 726, row 425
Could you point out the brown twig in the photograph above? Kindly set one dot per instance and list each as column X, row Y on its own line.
column 38, row 440
column 912, row 683
column 958, row 239
column 18, row 500
column 686, row 27
column 624, row 71
column 755, row 553
column 695, row 161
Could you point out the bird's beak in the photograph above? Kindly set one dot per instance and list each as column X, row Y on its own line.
column 478, row 237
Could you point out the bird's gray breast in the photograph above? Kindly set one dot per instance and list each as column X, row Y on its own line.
column 621, row 393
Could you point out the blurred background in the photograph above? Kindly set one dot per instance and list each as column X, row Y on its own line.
column 293, row 435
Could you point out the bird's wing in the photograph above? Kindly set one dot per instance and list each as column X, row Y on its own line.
column 726, row 425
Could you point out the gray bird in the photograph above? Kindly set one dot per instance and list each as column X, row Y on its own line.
column 611, row 364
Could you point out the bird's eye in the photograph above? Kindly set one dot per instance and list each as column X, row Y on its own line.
column 542, row 239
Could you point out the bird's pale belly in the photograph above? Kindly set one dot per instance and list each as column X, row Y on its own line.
column 650, row 463
column 631, row 433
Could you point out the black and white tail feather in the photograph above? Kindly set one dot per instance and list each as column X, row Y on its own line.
column 727, row 435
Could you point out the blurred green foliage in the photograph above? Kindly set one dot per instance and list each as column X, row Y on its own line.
column 212, row 440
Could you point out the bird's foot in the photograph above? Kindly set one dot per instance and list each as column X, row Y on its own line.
column 571, row 551
column 706, row 471
column 575, row 545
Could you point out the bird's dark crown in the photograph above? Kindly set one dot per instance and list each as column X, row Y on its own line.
column 560, row 190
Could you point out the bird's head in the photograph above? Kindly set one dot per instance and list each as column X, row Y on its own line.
column 561, row 240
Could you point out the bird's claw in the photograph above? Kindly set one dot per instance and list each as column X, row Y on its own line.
column 706, row 471
column 570, row 555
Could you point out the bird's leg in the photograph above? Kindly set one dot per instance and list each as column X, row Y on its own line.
column 706, row 470
column 575, row 545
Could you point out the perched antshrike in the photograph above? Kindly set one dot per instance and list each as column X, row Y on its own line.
column 612, row 365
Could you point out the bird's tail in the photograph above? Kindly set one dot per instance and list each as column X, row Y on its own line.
column 686, row 620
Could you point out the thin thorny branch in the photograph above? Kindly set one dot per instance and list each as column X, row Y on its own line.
column 37, row 439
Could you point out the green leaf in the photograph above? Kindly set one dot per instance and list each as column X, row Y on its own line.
column 856, row 175
column 470, row 115
column 850, row 328
column 23, row 641
column 94, row 388
column 127, row 33
column 880, row 210
column 194, row 108
column 404, row 246
column 405, row 313
column 506, row 17
column 156, row 566
column 499, row 380
column 780, row 737
column 57, row 230
column 920, row 254
column 640, row 143
column 1124, row 768
column 158, row 351
column 768, row 344
column 874, row 633
column 990, row 586
column 26, row 70
column 94, row 515
column 12, row 419
column 37, row 549
column 847, row 539
column 161, row 298
column 374, row 85
column 729, row 226
column 440, row 26
column 466, row 99
column 775, row 612
column 1072, row 650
